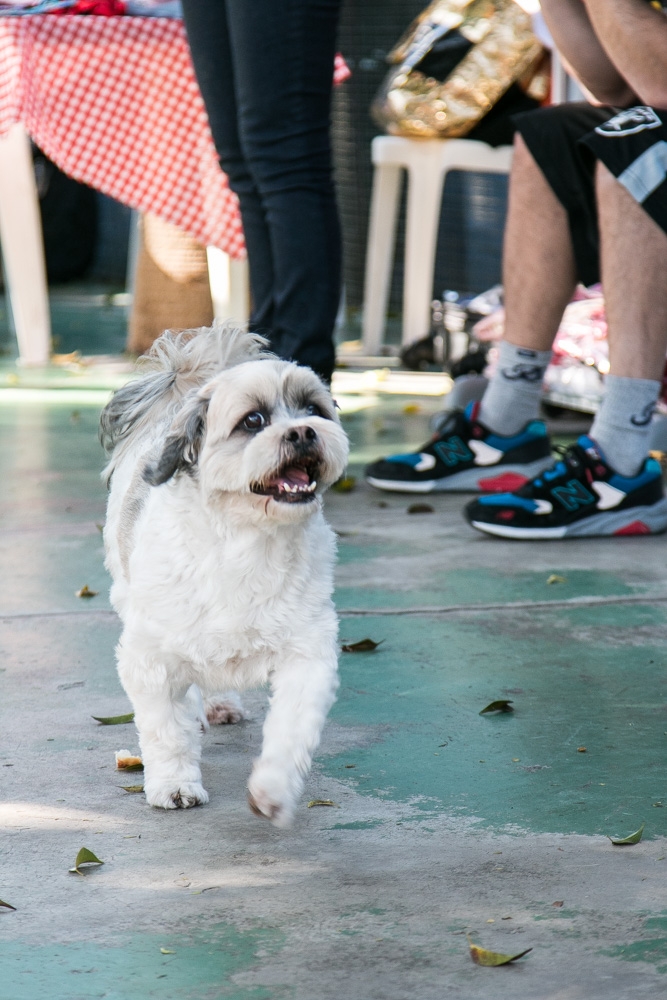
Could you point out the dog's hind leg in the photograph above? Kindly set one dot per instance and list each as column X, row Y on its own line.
column 224, row 709
column 303, row 690
column 169, row 732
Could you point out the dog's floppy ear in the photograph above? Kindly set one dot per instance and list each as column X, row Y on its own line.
column 183, row 443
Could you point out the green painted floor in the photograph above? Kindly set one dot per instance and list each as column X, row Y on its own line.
column 446, row 822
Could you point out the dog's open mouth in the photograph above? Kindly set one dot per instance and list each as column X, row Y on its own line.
column 291, row 484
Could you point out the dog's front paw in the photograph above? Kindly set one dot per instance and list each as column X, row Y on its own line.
column 176, row 795
column 270, row 796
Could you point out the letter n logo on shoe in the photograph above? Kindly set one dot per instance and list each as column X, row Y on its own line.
column 453, row 451
column 573, row 495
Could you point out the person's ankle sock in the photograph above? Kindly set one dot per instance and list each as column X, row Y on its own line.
column 513, row 396
column 622, row 425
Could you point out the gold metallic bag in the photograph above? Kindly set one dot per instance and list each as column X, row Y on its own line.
column 453, row 64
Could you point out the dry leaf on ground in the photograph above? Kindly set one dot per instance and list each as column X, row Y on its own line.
column 634, row 838
column 86, row 592
column 362, row 646
column 345, row 485
column 126, row 761
column 132, row 788
column 84, row 857
column 555, row 578
column 481, row 956
column 114, row 720
column 421, row 508
column 502, row 705
column 7, row 905
column 322, row 802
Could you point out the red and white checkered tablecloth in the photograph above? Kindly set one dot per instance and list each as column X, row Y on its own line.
column 113, row 101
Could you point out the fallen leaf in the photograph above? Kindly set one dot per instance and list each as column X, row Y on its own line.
column 503, row 705
column 555, row 578
column 125, row 761
column 114, row 720
column 86, row 592
column 167, row 951
column 481, row 956
column 581, row 750
column 634, row 838
column 421, row 508
column 100, row 527
column 362, row 646
column 132, row 788
column 66, row 359
column 412, row 408
column 558, row 903
column 322, row 802
column 345, row 485
column 7, row 905
column 84, row 857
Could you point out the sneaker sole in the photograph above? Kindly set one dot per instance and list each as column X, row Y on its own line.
column 636, row 521
column 483, row 479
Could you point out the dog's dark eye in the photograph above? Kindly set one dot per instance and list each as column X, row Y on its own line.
column 313, row 410
column 254, row 421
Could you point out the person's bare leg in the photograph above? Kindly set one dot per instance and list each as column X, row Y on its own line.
column 539, row 277
column 634, row 260
column 539, row 274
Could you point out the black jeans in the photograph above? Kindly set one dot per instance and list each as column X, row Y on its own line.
column 265, row 70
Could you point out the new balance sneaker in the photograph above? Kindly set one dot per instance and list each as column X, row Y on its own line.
column 466, row 456
column 581, row 495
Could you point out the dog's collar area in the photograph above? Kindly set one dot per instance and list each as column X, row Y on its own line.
column 293, row 483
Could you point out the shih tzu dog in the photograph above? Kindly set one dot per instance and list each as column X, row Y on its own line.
column 221, row 559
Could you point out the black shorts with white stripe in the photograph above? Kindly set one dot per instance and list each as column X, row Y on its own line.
column 567, row 140
column 633, row 147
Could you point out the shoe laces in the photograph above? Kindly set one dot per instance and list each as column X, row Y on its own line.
column 442, row 423
column 571, row 454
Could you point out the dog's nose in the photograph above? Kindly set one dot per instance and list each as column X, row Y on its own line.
column 301, row 437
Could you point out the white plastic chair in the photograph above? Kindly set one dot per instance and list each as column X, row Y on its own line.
column 23, row 248
column 427, row 162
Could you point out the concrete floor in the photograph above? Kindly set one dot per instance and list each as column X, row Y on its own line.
column 446, row 822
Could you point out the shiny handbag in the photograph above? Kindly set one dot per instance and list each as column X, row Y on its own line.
column 453, row 64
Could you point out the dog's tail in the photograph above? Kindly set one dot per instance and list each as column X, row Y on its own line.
column 177, row 363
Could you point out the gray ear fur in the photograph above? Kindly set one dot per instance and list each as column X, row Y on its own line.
column 183, row 443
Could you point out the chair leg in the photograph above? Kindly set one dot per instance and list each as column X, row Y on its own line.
column 229, row 283
column 380, row 254
column 23, row 248
column 423, row 215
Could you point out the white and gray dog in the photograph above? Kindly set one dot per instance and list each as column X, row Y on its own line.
column 222, row 562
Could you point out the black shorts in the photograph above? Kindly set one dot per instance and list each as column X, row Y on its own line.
column 566, row 141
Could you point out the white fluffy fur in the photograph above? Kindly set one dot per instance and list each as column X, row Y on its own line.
column 218, row 586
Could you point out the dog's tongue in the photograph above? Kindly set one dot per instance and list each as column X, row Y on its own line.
column 293, row 476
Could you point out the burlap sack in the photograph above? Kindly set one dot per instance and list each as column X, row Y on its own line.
column 171, row 289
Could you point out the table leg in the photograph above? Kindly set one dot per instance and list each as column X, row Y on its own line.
column 23, row 248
